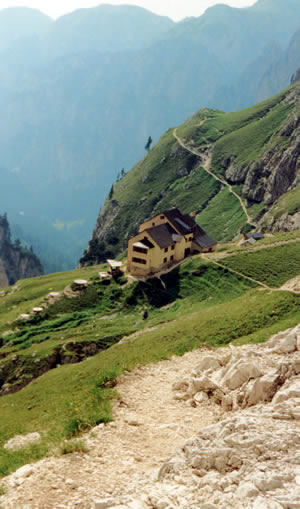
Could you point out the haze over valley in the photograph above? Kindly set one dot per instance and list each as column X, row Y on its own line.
column 79, row 97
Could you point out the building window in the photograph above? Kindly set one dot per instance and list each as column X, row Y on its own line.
column 139, row 260
column 162, row 217
column 166, row 249
column 173, row 247
column 172, row 258
column 153, row 224
column 140, row 250
column 190, row 239
column 165, row 260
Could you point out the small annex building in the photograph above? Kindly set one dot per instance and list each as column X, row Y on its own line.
column 164, row 240
column 251, row 238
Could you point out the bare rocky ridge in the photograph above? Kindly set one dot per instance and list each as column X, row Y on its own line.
column 211, row 429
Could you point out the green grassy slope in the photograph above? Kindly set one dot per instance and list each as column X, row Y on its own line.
column 271, row 266
column 171, row 176
column 199, row 303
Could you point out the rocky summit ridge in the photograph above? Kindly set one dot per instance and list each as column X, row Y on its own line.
column 211, row 429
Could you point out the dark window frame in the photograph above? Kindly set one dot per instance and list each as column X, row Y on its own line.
column 140, row 250
column 139, row 260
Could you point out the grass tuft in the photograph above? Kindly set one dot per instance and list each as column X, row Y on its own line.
column 71, row 446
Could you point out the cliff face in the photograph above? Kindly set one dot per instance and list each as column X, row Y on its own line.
column 256, row 151
column 15, row 261
column 277, row 169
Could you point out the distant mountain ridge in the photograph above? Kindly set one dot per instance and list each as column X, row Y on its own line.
column 78, row 104
column 21, row 22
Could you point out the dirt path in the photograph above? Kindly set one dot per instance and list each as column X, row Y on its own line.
column 206, row 165
column 218, row 255
column 286, row 287
column 149, row 425
column 238, row 273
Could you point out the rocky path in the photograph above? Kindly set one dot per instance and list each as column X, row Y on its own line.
column 206, row 159
column 213, row 429
column 149, row 424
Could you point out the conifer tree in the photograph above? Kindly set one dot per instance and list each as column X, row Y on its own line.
column 148, row 144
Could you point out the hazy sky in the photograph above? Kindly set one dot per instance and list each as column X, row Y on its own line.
column 176, row 9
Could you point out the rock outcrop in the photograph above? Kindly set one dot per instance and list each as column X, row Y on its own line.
column 277, row 170
column 15, row 261
column 247, row 457
column 251, row 457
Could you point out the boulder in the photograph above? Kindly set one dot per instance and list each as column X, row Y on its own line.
column 20, row 441
column 263, row 503
column 247, row 490
column 79, row 285
column 291, row 389
column 23, row 317
column 204, row 383
column 23, row 472
column 201, row 398
column 285, row 342
column 208, row 362
column 105, row 503
column 239, row 373
column 53, row 297
column 263, row 389
column 38, row 310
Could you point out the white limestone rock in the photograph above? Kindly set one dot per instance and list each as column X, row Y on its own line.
column 201, row 398
column 262, row 389
column 263, row 503
column 240, row 373
column 247, row 490
column 291, row 389
column 210, row 362
column 105, row 503
column 204, row 383
column 285, row 342
column 23, row 472
column 20, row 441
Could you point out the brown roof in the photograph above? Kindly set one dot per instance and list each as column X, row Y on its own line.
column 203, row 240
column 162, row 235
column 178, row 222
column 147, row 242
column 182, row 224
